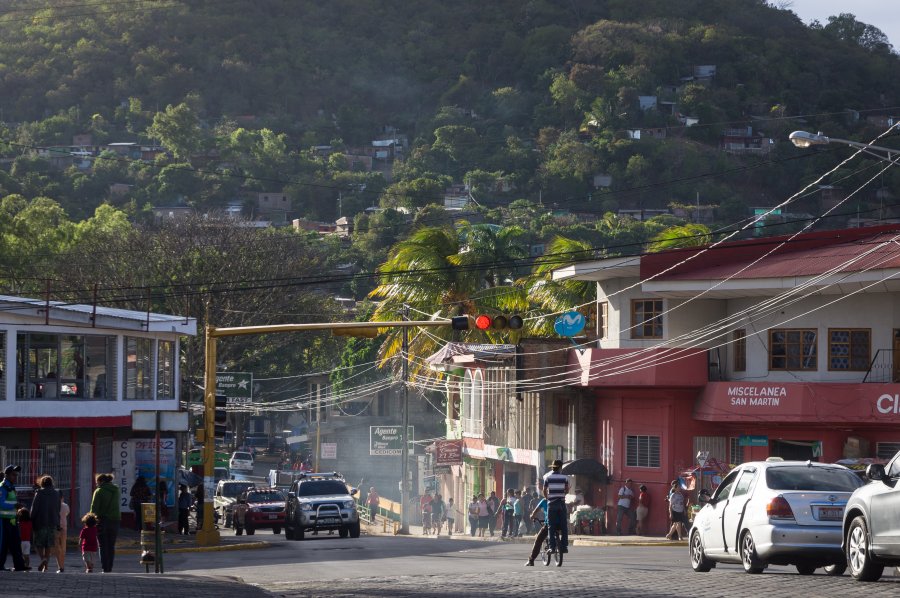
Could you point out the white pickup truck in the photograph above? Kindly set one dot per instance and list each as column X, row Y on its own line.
column 228, row 491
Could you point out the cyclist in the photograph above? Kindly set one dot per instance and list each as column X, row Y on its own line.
column 538, row 514
column 556, row 486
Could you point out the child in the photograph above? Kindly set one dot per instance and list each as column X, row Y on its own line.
column 25, row 531
column 89, row 545
column 239, row 515
column 451, row 517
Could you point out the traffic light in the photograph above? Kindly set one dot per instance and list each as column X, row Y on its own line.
column 501, row 322
column 221, row 416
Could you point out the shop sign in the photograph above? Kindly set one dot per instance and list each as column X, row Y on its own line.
column 448, row 452
column 387, row 440
column 442, row 470
column 748, row 440
column 329, row 450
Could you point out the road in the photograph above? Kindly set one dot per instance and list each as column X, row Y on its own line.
column 407, row 566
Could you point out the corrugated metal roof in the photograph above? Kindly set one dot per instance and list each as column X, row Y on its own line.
column 110, row 317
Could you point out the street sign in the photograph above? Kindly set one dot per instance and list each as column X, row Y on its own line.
column 387, row 440
column 236, row 386
column 329, row 450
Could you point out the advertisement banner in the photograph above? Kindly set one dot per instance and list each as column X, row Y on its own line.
column 387, row 440
column 137, row 457
column 448, row 452
column 237, row 387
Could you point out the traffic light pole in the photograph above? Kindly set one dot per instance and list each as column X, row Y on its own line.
column 208, row 535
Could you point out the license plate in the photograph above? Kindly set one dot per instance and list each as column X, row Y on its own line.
column 273, row 516
column 831, row 513
column 327, row 521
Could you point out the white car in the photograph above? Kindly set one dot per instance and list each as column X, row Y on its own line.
column 775, row 512
column 241, row 461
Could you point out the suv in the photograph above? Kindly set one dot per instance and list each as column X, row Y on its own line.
column 320, row 501
column 228, row 491
column 266, row 509
column 241, row 461
column 870, row 539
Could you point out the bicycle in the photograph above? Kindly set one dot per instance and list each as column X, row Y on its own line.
column 547, row 555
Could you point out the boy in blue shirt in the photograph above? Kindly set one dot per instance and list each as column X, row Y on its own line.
column 539, row 514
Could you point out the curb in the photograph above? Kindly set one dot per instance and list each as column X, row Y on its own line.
column 220, row 548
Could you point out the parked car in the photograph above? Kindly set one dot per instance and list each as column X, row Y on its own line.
column 775, row 512
column 871, row 541
column 241, row 461
column 320, row 501
column 266, row 509
column 227, row 491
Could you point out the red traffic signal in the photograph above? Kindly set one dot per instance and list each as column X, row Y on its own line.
column 501, row 322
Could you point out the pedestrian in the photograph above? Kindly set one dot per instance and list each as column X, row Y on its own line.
column 26, row 533
column 451, row 516
column 45, row 518
column 425, row 507
column 10, row 542
column 506, row 508
column 105, row 507
column 539, row 516
column 162, row 498
column 556, row 486
column 60, row 550
column 677, row 512
column 642, row 509
column 438, row 513
column 239, row 515
column 89, row 542
column 493, row 510
column 140, row 494
column 185, row 501
column 372, row 501
column 473, row 516
column 518, row 510
column 624, row 508
column 484, row 515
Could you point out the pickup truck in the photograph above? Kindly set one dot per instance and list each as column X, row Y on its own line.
column 228, row 491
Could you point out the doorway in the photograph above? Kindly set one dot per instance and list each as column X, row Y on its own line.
column 794, row 450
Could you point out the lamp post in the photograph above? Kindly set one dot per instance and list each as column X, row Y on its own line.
column 804, row 140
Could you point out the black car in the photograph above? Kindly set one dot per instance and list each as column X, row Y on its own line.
column 320, row 502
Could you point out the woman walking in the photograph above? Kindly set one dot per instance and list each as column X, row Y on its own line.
column 105, row 506
column 45, row 518
column 62, row 535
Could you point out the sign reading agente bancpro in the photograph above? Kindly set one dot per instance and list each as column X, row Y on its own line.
column 236, row 386
column 387, row 440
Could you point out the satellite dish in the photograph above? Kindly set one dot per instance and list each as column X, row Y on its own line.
column 569, row 323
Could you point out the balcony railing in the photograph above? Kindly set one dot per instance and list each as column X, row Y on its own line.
column 881, row 370
column 473, row 427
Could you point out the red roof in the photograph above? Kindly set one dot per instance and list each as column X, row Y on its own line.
column 810, row 254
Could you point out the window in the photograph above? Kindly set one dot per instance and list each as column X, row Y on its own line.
column 165, row 370
column 642, row 451
column 138, row 368
column 602, row 317
column 735, row 451
column 793, row 349
column 744, row 483
column 740, row 350
column 886, row 450
column 849, row 349
column 724, row 489
column 646, row 318
column 61, row 366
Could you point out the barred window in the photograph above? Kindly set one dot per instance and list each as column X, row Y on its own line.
column 646, row 318
column 793, row 349
column 849, row 349
column 642, row 451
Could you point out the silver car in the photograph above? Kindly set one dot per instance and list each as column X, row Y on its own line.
column 872, row 523
column 775, row 512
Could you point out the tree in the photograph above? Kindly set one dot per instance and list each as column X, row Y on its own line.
column 846, row 28
column 686, row 235
column 178, row 130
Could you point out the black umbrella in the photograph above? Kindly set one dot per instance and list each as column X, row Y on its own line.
column 588, row 467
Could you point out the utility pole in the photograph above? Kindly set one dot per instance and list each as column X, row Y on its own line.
column 404, row 458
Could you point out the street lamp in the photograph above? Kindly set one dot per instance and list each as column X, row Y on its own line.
column 804, row 140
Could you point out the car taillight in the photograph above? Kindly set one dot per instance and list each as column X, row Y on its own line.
column 778, row 508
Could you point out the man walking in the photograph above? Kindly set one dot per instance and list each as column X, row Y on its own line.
column 623, row 508
column 556, row 486
column 105, row 505
column 493, row 505
column 10, row 542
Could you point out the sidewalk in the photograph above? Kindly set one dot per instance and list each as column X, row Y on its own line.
column 122, row 585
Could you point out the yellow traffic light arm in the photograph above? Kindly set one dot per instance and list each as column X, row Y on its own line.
column 243, row 330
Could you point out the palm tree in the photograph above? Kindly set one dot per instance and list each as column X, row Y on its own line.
column 676, row 237
column 441, row 272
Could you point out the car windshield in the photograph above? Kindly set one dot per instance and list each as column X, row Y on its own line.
column 315, row 488
column 243, row 456
column 265, row 497
column 235, row 489
column 821, row 479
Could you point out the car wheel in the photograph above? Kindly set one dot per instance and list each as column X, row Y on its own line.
column 835, row 570
column 276, row 530
column 354, row 530
column 288, row 532
column 699, row 562
column 748, row 555
column 859, row 560
column 806, row 569
column 344, row 532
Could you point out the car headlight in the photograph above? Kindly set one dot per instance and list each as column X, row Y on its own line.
column 348, row 504
column 306, row 506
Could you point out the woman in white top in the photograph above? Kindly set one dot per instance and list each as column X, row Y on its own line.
column 60, row 550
